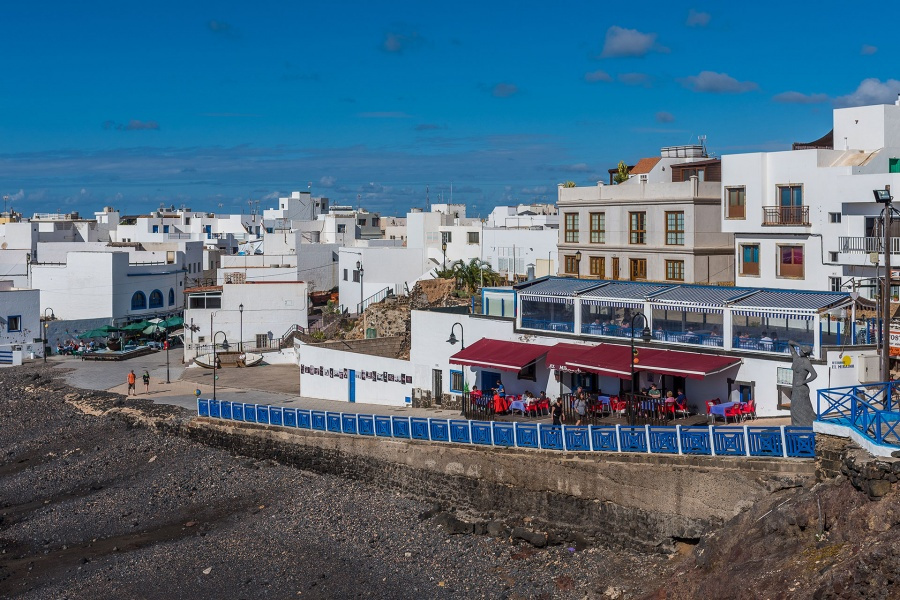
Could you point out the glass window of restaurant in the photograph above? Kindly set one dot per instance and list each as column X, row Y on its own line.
column 547, row 313
column 602, row 318
column 688, row 326
column 770, row 332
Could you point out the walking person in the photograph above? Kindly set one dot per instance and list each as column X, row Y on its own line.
column 132, row 378
column 557, row 412
column 580, row 407
column 146, row 377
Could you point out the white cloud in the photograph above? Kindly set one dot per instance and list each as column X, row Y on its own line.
column 799, row 98
column 697, row 18
column 327, row 181
column 871, row 91
column 717, row 83
column 594, row 76
column 629, row 42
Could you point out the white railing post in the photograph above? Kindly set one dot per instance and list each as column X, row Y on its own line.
column 712, row 440
column 647, row 437
column 783, row 443
column 678, row 438
column 618, row 438
column 746, row 441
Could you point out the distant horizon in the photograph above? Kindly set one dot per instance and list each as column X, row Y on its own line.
column 210, row 105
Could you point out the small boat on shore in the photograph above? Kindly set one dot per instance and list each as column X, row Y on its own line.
column 229, row 359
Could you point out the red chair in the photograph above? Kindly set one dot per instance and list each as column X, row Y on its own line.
column 748, row 409
column 681, row 408
column 733, row 412
column 616, row 406
column 709, row 414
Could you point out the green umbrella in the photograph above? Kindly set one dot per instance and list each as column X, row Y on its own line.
column 135, row 327
column 99, row 332
column 175, row 321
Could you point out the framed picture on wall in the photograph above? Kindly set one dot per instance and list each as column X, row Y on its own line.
column 391, row 377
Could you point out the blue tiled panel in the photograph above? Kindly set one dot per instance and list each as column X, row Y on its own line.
column 318, row 420
column 551, row 437
column 225, row 409
column 604, row 438
column 249, row 412
column 439, row 430
column 202, row 407
column 481, row 433
column 276, row 414
column 383, row 426
column 400, row 427
column 527, row 435
column 290, row 417
column 765, row 441
column 215, row 409
column 633, row 439
column 577, row 438
column 237, row 411
column 304, row 419
column 729, row 441
column 664, row 440
column 801, row 442
column 262, row 413
column 459, row 432
column 695, row 440
column 504, row 434
column 348, row 423
column 418, row 427
column 333, row 422
column 365, row 424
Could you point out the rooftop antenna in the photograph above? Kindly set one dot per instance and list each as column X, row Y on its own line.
column 702, row 139
column 5, row 202
column 427, row 200
column 357, row 203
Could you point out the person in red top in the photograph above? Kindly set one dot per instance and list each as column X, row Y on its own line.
column 131, row 381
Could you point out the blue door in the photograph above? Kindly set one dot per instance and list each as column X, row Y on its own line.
column 489, row 380
column 351, row 383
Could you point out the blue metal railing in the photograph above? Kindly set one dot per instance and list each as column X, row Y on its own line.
column 779, row 442
column 373, row 299
column 565, row 326
column 872, row 410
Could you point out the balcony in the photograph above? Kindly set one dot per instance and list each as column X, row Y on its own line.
column 867, row 245
column 785, row 215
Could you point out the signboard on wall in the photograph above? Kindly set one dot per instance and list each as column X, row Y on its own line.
column 895, row 342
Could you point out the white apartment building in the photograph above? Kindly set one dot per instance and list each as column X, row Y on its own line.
column 662, row 224
column 807, row 218
column 20, row 323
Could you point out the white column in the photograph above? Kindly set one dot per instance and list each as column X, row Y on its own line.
column 817, row 336
column 576, row 306
column 727, row 333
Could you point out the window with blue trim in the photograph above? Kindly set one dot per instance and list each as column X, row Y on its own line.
column 171, row 297
column 457, row 382
column 138, row 301
column 156, row 229
column 14, row 323
column 156, row 299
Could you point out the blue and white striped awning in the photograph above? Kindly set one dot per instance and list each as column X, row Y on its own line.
column 550, row 299
column 696, row 308
column 624, row 291
column 701, row 295
column 612, row 303
column 794, row 304
column 763, row 312
column 559, row 286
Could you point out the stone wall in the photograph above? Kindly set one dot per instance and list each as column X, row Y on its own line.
column 837, row 456
column 634, row 500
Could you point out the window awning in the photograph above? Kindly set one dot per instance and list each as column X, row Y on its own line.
column 615, row 360
column 684, row 364
column 498, row 354
column 562, row 355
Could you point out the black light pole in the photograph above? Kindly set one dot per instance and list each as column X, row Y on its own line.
column 646, row 336
column 359, row 269
column 241, row 338
column 46, row 326
column 444, row 248
column 578, row 265
column 884, row 197
column 167, row 351
column 216, row 358
column 462, row 338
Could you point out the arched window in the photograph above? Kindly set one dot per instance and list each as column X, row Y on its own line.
column 138, row 301
column 156, row 299
column 171, row 297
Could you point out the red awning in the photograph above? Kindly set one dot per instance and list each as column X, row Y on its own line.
column 562, row 355
column 615, row 360
column 497, row 354
column 685, row 364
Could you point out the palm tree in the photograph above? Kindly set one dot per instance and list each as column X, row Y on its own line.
column 474, row 274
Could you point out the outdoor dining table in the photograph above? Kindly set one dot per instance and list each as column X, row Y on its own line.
column 517, row 405
column 721, row 409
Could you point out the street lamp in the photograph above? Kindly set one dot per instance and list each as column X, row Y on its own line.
column 578, row 264
column 360, row 270
column 444, row 248
column 646, row 336
column 47, row 325
column 462, row 338
column 884, row 197
column 241, row 336
column 215, row 356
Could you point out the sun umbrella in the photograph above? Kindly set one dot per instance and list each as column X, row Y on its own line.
column 136, row 327
column 99, row 332
column 174, row 321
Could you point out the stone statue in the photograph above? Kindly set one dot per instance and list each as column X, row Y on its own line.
column 802, row 413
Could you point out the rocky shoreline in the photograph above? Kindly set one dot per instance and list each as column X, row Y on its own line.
column 99, row 498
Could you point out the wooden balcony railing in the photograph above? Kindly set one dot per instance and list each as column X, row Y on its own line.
column 785, row 215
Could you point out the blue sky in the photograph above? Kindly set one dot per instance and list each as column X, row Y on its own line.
column 206, row 104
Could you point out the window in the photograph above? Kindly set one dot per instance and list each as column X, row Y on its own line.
column 871, row 227
column 571, row 264
column 834, row 284
column 750, row 259
column 345, row 274
column 735, row 203
column 472, row 237
column 790, row 195
column 362, row 222
column 675, row 228
column 894, row 165
column 598, row 228
column 205, row 300
column 688, row 173
column 834, row 217
column 156, row 299
column 598, row 266
column 637, row 227
column 376, row 221
column 571, row 230
column 615, row 267
column 833, row 256
column 446, row 237
column 638, row 268
column 457, row 383
column 355, row 275
column 138, row 301
column 165, row 229
column 675, row 270
column 341, row 228
column 790, row 261
column 156, row 229
column 171, row 296
column 14, row 323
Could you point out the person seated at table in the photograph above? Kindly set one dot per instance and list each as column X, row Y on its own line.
column 715, row 332
column 59, row 348
column 528, row 398
column 654, row 392
column 764, row 338
column 670, row 398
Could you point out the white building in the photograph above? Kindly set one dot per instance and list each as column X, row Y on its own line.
column 264, row 315
column 807, row 218
column 20, row 323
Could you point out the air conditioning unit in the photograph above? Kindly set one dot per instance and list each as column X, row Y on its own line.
column 868, row 369
column 643, row 177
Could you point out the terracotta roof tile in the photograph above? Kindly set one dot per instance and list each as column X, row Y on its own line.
column 645, row 165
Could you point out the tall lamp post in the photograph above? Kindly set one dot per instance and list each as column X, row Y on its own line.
column 578, row 265
column 452, row 341
column 167, row 352
column 646, row 336
column 884, row 197
column 216, row 358
column 241, row 337
column 46, row 326
column 444, row 248
column 360, row 270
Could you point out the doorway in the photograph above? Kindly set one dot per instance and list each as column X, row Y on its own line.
column 437, row 385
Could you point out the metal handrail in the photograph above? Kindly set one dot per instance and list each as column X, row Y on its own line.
column 785, row 215
column 873, row 411
column 374, row 298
